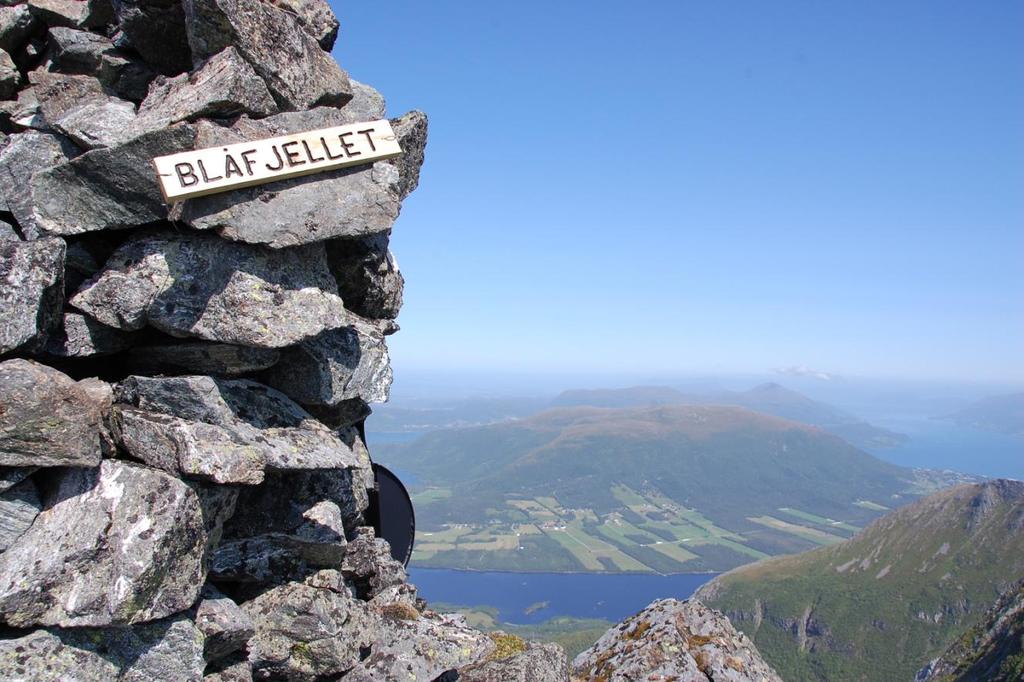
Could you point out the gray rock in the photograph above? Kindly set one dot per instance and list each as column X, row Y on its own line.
column 16, row 25
column 292, row 523
column 368, row 277
column 12, row 476
column 287, row 437
column 188, row 449
column 46, row 419
column 78, row 107
column 121, row 544
column 422, row 648
column 81, row 337
column 71, row 13
column 31, row 291
column 99, row 124
column 305, row 631
column 23, row 113
column 106, row 189
column 411, row 130
column 25, row 155
column 535, row 663
column 200, row 286
column 671, row 638
column 297, row 71
column 366, row 104
column 156, row 30
column 59, row 93
column 19, row 507
column 170, row 650
column 315, row 17
column 81, row 52
column 349, row 202
column 42, row 656
column 338, row 364
column 7, row 231
column 223, row 623
column 368, row 562
column 224, row 86
column 217, row 359
column 10, row 78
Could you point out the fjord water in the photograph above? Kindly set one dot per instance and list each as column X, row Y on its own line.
column 936, row 444
column 579, row 595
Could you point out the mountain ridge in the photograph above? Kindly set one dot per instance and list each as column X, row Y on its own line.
column 896, row 594
column 669, row 489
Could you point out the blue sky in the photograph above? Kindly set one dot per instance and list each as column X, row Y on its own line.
column 708, row 186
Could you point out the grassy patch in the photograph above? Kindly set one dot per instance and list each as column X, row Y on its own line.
column 873, row 506
column 431, row 495
column 820, row 520
column 816, row 536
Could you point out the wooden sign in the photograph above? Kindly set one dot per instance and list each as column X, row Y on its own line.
column 218, row 169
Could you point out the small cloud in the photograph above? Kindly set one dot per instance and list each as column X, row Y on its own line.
column 804, row 371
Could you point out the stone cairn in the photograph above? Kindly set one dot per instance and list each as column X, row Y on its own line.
column 183, row 472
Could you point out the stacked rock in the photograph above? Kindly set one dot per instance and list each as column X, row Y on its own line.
column 183, row 473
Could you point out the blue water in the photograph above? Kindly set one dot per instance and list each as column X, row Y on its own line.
column 582, row 595
column 936, row 444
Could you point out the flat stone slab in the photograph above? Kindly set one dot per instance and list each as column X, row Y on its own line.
column 106, row 189
column 266, row 425
column 348, row 202
column 201, row 286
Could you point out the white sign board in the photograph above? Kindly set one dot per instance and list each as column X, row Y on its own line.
column 217, row 169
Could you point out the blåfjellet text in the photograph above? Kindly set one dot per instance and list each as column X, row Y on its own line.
column 217, row 169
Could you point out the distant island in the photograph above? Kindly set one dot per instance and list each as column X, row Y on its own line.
column 1001, row 414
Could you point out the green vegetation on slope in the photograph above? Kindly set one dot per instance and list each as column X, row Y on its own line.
column 992, row 650
column 881, row 605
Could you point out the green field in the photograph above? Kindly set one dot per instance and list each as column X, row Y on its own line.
column 813, row 534
column 820, row 520
column 649, row 533
column 873, row 506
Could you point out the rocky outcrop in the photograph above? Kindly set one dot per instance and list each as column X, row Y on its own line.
column 671, row 639
column 992, row 650
column 199, row 511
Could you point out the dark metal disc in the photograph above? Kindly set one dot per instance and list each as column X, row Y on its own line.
column 392, row 514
